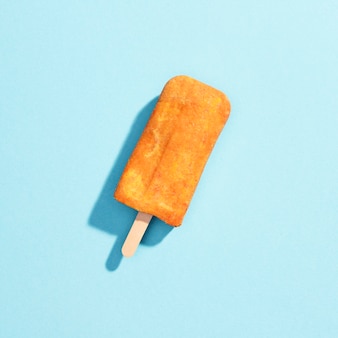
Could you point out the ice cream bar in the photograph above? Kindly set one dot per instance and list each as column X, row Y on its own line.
column 162, row 173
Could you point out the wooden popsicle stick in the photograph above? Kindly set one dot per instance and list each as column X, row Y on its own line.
column 136, row 233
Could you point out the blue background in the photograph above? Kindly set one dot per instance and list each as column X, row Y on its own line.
column 257, row 253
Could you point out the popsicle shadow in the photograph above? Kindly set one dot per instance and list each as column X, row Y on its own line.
column 115, row 218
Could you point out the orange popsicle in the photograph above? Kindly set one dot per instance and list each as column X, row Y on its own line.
column 163, row 171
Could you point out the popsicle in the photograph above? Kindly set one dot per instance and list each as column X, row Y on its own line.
column 163, row 171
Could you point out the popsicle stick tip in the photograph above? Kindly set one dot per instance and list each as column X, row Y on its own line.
column 136, row 233
column 127, row 253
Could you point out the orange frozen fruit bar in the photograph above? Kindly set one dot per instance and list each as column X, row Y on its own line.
column 163, row 171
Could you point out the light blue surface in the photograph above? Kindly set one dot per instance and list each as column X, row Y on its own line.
column 257, row 253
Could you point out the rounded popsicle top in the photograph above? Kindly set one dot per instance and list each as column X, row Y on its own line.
column 198, row 92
